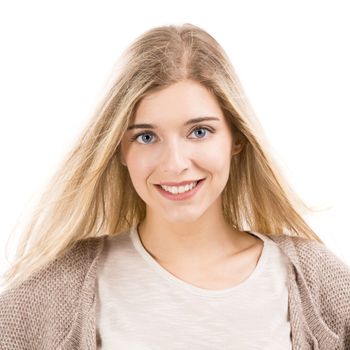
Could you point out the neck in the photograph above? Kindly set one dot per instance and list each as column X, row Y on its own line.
column 195, row 244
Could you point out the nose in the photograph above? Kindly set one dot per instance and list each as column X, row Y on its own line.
column 174, row 158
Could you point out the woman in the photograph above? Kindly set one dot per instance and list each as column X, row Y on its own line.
column 169, row 225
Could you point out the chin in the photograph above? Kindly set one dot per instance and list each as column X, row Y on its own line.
column 182, row 216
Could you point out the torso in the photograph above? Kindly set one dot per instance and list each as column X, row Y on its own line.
column 227, row 273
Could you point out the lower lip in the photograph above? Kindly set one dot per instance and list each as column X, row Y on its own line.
column 180, row 196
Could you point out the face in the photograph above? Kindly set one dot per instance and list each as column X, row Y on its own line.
column 174, row 148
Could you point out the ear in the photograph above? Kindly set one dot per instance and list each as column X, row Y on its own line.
column 121, row 156
column 122, row 160
column 237, row 145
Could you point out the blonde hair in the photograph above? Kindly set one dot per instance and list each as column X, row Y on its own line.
column 91, row 194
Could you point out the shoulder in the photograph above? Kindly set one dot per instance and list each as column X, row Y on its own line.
column 69, row 268
column 322, row 265
column 311, row 255
column 326, row 270
column 45, row 303
column 313, row 258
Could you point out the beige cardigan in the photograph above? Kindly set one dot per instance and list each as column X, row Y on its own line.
column 55, row 308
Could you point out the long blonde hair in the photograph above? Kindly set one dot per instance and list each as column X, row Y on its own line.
column 91, row 194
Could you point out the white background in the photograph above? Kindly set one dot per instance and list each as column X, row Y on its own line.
column 292, row 58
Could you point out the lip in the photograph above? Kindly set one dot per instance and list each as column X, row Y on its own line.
column 180, row 196
column 177, row 184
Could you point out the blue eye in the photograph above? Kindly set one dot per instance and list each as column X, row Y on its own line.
column 150, row 134
column 135, row 137
column 200, row 129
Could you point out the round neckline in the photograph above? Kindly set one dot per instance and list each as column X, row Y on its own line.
column 134, row 235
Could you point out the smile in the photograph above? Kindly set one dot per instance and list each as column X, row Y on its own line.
column 180, row 189
column 180, row 192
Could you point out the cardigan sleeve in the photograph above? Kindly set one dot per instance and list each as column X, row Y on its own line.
column 38, row 313
column 336, row 293
column 328, row 278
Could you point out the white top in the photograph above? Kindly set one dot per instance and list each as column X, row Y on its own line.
column 141, row 305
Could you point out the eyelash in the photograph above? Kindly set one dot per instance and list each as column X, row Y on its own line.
column 133, row 138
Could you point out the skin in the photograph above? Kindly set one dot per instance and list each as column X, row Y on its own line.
column 190, row 236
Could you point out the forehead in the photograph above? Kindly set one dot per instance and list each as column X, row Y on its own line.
column 178, row 102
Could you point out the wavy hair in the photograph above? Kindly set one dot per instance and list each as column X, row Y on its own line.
column 91, row 194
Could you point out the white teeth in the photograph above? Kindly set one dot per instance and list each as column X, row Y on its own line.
column 180, row 189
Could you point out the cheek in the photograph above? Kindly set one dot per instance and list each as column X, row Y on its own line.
column 215, row 155
column 140, row 169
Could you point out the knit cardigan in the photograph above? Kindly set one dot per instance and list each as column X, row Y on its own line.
column 55, row 308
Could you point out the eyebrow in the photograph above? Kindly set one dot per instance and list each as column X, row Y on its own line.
column 188, row 122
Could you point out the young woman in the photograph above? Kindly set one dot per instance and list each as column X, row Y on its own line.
column 169, row 225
